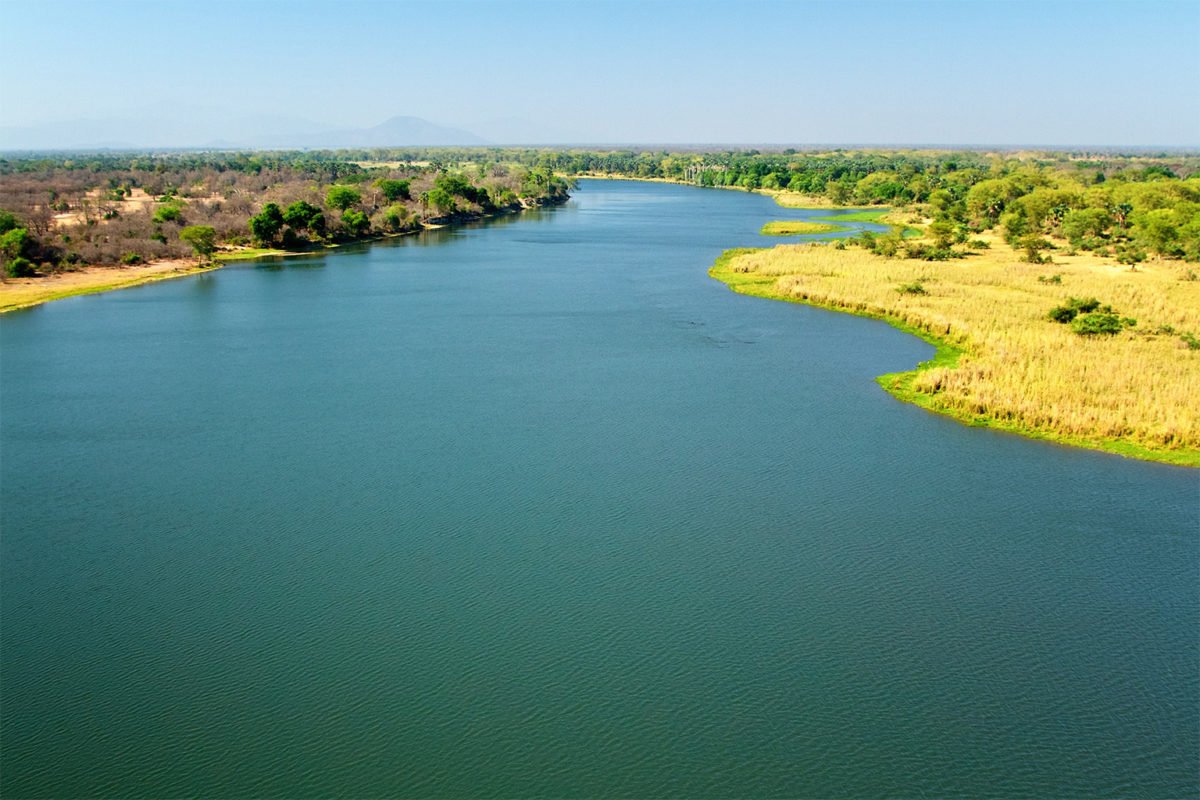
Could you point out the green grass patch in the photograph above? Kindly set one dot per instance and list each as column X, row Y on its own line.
column 798, row 227
column 865, row 215
column 250, row 253
column 902, row 385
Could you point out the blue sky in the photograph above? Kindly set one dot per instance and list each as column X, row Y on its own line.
column 904, row 72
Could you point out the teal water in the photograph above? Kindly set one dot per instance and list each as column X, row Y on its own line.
column 537, row 509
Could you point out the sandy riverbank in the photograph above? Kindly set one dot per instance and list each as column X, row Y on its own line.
column 18, row 293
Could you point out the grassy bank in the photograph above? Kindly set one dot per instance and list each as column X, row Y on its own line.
column 862, row 215
column 1000, row 362
column 798, row 227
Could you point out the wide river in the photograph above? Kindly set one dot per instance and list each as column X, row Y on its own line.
column 535, row 508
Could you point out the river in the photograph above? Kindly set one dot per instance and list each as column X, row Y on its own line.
column 536, row 508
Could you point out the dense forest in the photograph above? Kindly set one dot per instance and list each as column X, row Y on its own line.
column 63, row 210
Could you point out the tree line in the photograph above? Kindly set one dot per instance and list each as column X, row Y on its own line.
column 60, row 213
column 109, row 208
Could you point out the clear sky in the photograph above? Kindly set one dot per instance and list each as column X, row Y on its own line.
column 749, row 71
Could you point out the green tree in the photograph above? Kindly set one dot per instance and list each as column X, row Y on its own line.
column 442, row 200
column 19, row 267
column 265, row 226
column 1083, row 224
column 839, row 192
column 316, row 224
column 394, row 190
column 396, row 217
column 942, row 231
column 342, row 197
column 1157, row 231
column 299, row 215
column 356, row 222
column 170, row 212
column 202, row 238
column 15, row 242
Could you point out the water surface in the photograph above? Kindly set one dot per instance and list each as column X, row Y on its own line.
column 536, row 508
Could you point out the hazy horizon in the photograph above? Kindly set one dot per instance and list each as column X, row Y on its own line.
column 934, row 74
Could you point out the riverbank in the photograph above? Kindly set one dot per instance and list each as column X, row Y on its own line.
column 19, row 293
column 1000, row 363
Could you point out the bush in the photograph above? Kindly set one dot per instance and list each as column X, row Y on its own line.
column 1062, row 314
column 924, row 252
column 1190, row 340
column 916, row 287
column 1130, row 254
column 1033, row 246
column 168, row 213
column 131, row 259
column 1099, row 323
column 1074, row 307
column 1055, row 279
column 19, row 267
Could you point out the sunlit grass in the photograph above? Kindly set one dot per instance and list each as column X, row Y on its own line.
column 798, row 227
column 1134, row 393
column 872, row 215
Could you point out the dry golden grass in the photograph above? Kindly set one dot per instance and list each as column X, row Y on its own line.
column 1019, row 370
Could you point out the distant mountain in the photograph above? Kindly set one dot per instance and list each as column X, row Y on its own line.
column 161, row 127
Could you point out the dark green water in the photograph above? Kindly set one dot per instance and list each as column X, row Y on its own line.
column 538, row 509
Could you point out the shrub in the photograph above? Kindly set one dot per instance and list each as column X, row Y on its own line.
column 19, row 267
column 168, row 213
column 1099, row 323
column 130, row 259
column 1055, row 279
column 1189, row 339
column 924, row 252
column 1130, row 254
column 1033, row 246
column 1062, row 314
column 1074, row 307
column 916, row 287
